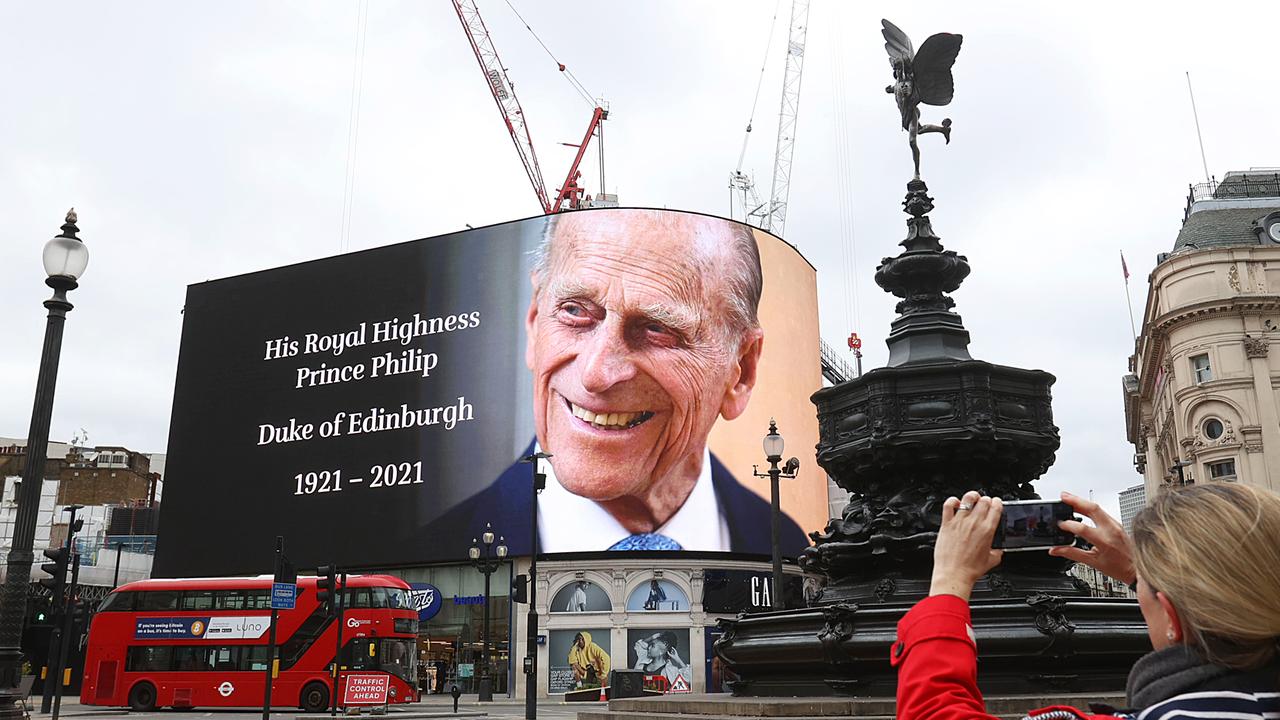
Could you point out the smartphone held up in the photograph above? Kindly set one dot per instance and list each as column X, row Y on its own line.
column 1032, row 525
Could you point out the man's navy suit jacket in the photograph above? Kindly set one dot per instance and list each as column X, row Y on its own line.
column 505, row 505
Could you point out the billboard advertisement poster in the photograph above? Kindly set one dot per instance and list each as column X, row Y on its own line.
column 373, row 407
column 580, row 596
column 170, row 628
column 658, row 596
column 663, row 656
column 579, row 659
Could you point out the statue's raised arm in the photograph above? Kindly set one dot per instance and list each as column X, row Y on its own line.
column 923, row 77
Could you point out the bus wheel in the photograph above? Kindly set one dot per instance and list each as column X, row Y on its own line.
column 315, row 697
column 142, row 698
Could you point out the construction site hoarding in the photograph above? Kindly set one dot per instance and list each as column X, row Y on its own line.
column 373, row 408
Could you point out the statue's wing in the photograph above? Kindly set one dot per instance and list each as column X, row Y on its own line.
column 896, row 43
column 932, row 67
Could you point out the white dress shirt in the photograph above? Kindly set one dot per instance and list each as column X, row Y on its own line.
column 571, row 523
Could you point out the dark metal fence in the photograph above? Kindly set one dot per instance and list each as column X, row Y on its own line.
column 1252, row 185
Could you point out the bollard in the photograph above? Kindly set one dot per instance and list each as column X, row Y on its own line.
column 456, row 693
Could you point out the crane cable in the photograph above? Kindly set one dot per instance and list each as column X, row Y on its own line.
column 353, row 124
column 845, row 187
column 569, row 76
column 760, row 82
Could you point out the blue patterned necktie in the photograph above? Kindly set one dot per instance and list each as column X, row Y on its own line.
column 646, row 541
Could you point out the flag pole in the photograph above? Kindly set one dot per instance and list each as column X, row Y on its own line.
column 1128, row 301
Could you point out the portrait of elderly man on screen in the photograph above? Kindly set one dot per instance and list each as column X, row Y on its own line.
column 641, row 334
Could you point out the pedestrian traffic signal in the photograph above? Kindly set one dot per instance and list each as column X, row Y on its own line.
column 57, row 570
column 520, row 589
column 326, row 586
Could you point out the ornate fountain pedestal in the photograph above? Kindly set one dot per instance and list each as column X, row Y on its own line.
column 902, row 439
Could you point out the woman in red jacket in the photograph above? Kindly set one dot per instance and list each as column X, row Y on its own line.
column 1206, row 564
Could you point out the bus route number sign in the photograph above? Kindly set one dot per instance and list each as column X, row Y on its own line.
column 283, row 596
column 369, row 689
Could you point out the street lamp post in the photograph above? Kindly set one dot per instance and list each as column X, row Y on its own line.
column 65, row 259
column 773, row 446
column 486, row 562
column 1178, row 465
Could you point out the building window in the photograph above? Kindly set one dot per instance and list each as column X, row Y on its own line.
column 1213, row 428
column 1224, row 471
column 1200, row 367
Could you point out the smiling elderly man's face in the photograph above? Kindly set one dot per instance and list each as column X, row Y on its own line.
column 634, row 351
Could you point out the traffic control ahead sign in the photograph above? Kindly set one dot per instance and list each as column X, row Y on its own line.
column 366, row 690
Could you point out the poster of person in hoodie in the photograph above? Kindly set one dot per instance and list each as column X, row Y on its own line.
column 578, row 661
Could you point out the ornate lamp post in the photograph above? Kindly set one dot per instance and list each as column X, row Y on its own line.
column 486, row 562
column 65, row 260
column 773, row 446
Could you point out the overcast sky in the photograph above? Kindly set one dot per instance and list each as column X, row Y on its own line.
column 200, row 140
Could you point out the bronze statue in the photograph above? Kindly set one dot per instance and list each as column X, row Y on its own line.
column 923, row 77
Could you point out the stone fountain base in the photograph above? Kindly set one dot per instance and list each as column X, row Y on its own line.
column 719, row 707
column 1043, row 644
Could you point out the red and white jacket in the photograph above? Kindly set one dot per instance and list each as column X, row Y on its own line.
column 936, row 655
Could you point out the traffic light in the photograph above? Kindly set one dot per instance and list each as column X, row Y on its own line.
column 57, row 570
column 80, row 612
column 326, row 586
column 520, row 589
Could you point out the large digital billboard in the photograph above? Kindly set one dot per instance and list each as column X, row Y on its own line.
column 372, row 408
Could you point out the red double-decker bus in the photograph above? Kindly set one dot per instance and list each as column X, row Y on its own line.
column 203, row 643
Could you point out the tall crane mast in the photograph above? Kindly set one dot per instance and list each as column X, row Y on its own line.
column 504, row 94
column 569, row 194
column 776, row 217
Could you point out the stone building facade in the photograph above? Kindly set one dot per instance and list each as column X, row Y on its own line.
column 1201, row 399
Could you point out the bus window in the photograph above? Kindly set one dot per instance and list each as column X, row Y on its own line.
column 197, row 600
column 378, row 597
column 397, row 598
column 397, row 657
column 253, row 657
column 191, row 658
column 229, row 600
column 149, row 659
column 357, row 598
column 224, row 658
column 118, row 602
column 258, row 600
column 158, row 600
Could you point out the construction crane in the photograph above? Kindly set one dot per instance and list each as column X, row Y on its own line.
column 569, row 196
column 771, row 215
column 776, row 218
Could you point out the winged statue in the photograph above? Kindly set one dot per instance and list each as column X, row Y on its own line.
column 921, row 77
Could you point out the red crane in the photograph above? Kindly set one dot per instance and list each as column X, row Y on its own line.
column 569, row 194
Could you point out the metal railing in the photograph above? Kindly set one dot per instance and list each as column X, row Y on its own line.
column 834, row 368
column 1252, row 185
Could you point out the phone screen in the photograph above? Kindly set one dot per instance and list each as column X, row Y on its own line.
column 1030, row 524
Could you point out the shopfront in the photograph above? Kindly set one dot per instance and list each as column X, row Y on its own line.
column 450, row 602
column 658, row 616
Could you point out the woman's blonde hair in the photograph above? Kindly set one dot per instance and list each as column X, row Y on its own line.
column 1214, row 551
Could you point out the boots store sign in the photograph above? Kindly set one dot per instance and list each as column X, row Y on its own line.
column 425, row 598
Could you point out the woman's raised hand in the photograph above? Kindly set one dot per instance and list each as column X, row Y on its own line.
column 1112, row 552
column 963, row 552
